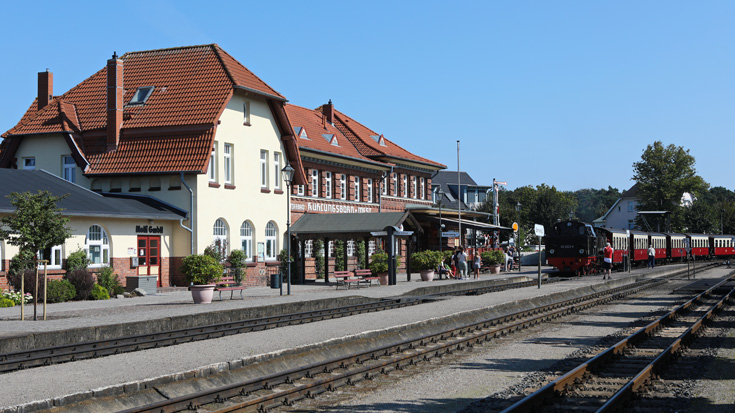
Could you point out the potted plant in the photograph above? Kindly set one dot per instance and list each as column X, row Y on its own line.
column 202, row 271
column 493, row 260
column 379, row 266
column 426, row 262
column 237, row 263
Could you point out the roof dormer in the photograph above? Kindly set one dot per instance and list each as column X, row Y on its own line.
column 379, row 139
column 300, row 132
column 331, row 138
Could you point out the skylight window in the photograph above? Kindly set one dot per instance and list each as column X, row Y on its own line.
column 141, row 95
column 331, row 138
column 301, row 132
column 379, row 139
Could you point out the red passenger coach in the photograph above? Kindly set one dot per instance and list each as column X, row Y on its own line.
column 639, row 246
column 723, row 245
column 618, row 239
column 699, row 244
column 676, row 246
column 658, row 241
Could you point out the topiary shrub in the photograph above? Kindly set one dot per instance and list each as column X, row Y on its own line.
column 60, row 291
column 99, row 293
column 492, row 258
column 319, row 258
column 6, row 302
column 77, row 260
column 201, row 269
column 425, row 260
column 237, row 263
column 108, row 279
column 83, row 282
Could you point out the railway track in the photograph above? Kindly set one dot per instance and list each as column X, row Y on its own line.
column 609, row 380
column 91, row 349
column 287, row 387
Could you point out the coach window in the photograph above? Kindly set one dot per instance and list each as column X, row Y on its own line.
column 97, row 246
column 271, row 241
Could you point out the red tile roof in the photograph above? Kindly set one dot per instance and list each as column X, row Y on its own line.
column 192, row 86
column 312, row 121
column 361, row 137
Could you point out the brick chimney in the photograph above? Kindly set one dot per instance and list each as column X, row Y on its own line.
column 329, row 112
column 114, row 101
column 45, row 88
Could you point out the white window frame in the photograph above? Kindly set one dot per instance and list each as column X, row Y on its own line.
column 422, row 194
column 350, row 248
column 271, row 241
column 212, row 172
column 228, row 163
column 384, row 185
column 327, row 184
column 55, row 260
column 246, row 240
column 331, row 248
column 395, row 184
column 29, row 164
column 246, row 113
column 99, row 241
column 69, row 168
column 300, row 190
column 308, row 248
column 277, row 170
column 369, row 190
column 263, row 169
column 414, row 187
column 405, row 186
column 371, row 247
column 315, row 183
column 343, row 186
column 357, row 189
column 219, row 233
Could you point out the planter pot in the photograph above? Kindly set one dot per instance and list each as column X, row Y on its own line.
column 427, row 275
column 202, row 294
column 383, row 278
column 495, row 269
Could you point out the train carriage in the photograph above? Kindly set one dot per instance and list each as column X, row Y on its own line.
column 619, row 241
column 723, row 246
column 572, row 246
column 658, row 241
column 699, row 244
column 639, row 246
column 676, row 246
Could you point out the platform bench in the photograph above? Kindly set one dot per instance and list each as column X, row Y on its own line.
column 229, row 284
column 346, row 279
column 366, row 276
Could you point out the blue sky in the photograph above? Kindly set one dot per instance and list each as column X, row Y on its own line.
column 566, row 93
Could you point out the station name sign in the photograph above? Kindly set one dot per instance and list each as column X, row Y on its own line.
column 148, row 229
column 331, row 208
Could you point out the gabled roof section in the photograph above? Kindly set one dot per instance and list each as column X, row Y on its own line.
column 243, row 78
column 361, row 137
column 310, row 122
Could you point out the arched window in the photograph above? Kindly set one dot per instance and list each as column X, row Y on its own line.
column 220, row 238
column 97, row 246
column 271, row 241
column 246, row 240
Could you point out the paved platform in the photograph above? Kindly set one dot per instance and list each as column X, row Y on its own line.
column 38, row 388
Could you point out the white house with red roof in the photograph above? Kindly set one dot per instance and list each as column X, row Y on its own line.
column 189, row 126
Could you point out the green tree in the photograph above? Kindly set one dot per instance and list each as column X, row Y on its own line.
column 664, row 174
column 594, row 203
column 701, row 217
column 36, row 224
column 550, row 206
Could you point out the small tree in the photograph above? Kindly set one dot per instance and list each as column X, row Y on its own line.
column 339, row 256
column 36, row 224
column 237, row 263
column 319, row 258
column 360, row 251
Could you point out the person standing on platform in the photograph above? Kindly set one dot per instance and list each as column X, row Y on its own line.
column 476, row 264
column 607, row 261
column 651, row 257
column 462, row 263
column 455, row 263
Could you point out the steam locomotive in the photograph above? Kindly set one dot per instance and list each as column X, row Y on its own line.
column 576, row 247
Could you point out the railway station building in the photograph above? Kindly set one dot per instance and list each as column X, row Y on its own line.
column 194, row 129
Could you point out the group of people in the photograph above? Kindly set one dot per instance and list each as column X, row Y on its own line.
column 459, row 266
column 607, row 260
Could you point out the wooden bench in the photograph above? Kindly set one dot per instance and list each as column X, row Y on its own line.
column 229, row 284
column 345, row 279
column 366, row 276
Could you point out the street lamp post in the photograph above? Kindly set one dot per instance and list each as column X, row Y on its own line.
column 518, row 240
column 440, row 195
column 287, row 172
